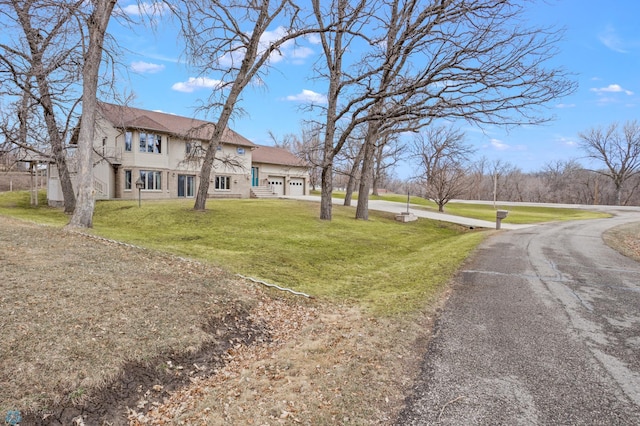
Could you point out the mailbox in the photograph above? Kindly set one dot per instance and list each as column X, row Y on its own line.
column 500, row 214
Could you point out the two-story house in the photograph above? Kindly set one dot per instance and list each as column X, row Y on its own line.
column 165, row 152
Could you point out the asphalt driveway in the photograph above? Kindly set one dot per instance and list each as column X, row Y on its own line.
column 543, row 327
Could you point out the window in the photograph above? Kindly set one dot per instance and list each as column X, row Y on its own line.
column 127, row 141
column 240, row 151
column 127, row 179
column 152, row 180
column 223, row 182
column 150, row 142
column 186, row 185
column 188, row 147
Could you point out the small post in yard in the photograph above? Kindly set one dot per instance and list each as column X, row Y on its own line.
column 139, row 185
column 500, row 214
column 408, row 196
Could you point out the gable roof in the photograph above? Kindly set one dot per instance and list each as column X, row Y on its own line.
column 273, row 155
column 126, row 117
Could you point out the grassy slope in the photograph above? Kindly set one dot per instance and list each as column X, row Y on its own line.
column 385, row 265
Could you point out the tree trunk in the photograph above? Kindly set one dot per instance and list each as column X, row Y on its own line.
column 97, row 27
column 366, row 175
column 57, row 146
column 326, row 192
column 45, row 101
column 351, row 184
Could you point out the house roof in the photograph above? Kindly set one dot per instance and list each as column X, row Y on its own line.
column 126, row 117
column 273, row 155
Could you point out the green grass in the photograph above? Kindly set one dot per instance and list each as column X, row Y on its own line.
column 384, row 265
column 522, row 214
column 17, row 204
column 517, row 214
column 380, row 263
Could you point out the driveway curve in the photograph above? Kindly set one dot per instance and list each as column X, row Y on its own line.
column 542, row 327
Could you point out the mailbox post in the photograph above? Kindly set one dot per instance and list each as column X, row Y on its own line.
column 139, row 185
column 500, row 214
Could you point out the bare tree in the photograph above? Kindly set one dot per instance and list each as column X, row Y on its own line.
column 37, row 68
column 387, row 155
column 226, row 37
column 341, row 26
column 441, row 60
column 617, row 149
column 96, row 20
column 443, row 158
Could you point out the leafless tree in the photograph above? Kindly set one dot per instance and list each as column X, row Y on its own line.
column 444, row 162
column 618, row 149
column 474, row 62
column 95, row 22
column 37, row 68
column 387, row 155
column 341, row 23
column 226, row 37
column 561, row 180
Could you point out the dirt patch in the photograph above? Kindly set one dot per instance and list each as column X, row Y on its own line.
column 96, row 333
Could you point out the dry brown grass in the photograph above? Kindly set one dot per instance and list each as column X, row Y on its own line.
column 625, row 239
column 328, row 366
column 82, row 318
column 73, row 310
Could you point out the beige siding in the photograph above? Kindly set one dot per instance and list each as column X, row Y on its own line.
column 112, row 162
column 266, row 171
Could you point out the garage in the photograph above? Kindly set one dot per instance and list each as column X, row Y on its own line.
column 296, row 186
column 277, row 185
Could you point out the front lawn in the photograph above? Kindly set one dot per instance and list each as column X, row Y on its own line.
column 383, row 264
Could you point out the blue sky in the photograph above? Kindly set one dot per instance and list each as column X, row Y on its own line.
column 601, row 48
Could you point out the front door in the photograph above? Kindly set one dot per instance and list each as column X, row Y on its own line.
column 254, row 177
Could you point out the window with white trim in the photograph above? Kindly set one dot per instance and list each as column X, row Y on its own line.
column 150, row 142
column 152, row 180
column 223, row 182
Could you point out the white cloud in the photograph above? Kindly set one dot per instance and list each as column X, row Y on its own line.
column 561, row 106
column 301, row 52
column 611, row 40
column 612, row 88
column 287, row 50
column 499, row 145
column 196, row 83
column 313, row 38
column 308, row 96
column 149, row 9
column 146, row 67
column 567, row 141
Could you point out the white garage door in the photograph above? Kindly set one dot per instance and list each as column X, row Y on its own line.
column 296, row 186
column 277, row 185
